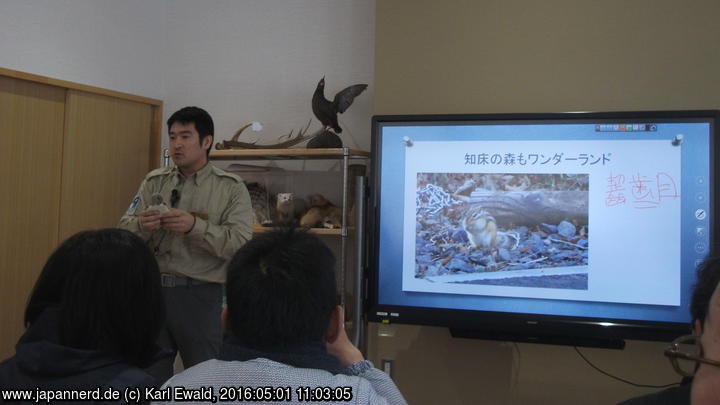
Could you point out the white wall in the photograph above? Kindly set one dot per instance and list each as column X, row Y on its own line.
column 116, row 45
column 261, row 60
column 242, row 60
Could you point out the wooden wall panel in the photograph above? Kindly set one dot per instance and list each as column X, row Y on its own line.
column 107, row 144
column 31, row 133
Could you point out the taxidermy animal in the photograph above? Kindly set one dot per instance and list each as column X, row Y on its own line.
column 326, row 111
column 333, row 219
column 285, row 207
column 321, row 212
column 480, row 227
column 289, row 209
column 325, row 139
column 312, row 218
column 259, row 202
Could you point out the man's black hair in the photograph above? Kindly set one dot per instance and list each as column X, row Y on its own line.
column 195, row 115
column 106, row 285
column 708, row 277
column 281, row 290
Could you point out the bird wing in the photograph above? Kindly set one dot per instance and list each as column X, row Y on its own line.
column 344, row 98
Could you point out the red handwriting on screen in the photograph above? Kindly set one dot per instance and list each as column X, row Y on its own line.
column 643, row 191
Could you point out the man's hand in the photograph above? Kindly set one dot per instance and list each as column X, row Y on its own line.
column 149, row 220
column 338, row 344
column 177, row 220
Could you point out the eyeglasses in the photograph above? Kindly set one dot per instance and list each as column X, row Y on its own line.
column 685, row 353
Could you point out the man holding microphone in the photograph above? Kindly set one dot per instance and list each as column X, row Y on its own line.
column 208, row 219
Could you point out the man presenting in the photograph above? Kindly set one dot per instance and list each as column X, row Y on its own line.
column 195, row 217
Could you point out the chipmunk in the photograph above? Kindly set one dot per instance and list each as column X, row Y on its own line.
column 482, row 230
column 480, row 227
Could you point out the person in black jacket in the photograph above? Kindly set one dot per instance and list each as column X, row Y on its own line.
column 92, row 320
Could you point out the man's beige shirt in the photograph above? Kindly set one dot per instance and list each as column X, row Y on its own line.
column 211, row 193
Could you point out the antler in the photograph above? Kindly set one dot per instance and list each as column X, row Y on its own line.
column 235, row 144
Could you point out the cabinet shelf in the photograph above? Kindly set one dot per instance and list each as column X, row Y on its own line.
column 288, row 154
column 317, row 231
column 299, row 154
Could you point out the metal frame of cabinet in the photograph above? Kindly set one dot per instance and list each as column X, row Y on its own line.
column 346, row 155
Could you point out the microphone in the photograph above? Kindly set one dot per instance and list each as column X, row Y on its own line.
column 174, row 198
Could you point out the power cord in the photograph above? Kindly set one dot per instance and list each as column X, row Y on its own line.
column 618, row 378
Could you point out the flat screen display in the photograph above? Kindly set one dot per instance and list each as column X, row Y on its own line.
column 587, row 224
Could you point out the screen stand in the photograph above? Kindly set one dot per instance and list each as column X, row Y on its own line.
column 547, row 339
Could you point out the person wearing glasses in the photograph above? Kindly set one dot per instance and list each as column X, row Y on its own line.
column 701, row 385
column 194, row 216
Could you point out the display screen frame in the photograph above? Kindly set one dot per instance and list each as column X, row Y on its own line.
column 522, row 326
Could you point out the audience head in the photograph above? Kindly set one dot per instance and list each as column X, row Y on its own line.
column 106, row 285
column 705, row 311
column 708, row 277
column 280, row 290
column 195, row 115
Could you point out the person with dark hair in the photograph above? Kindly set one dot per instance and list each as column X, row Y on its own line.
column 92, row 318
column 195, row 217
column 285, row 331
column 703, row 387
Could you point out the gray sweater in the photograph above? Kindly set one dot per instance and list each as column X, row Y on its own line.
column 227, row 380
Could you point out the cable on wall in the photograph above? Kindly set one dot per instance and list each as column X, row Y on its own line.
column 619, row 378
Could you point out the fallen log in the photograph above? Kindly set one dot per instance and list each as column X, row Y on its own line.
column 532, row 208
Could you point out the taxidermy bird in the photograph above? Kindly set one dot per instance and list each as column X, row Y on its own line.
column 326, row 111
column 480, row 227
